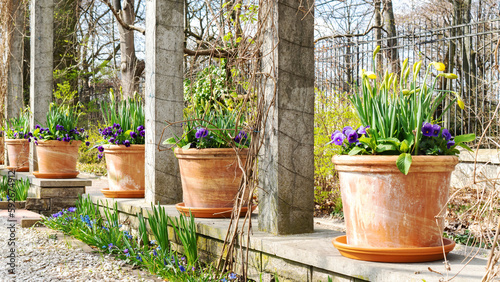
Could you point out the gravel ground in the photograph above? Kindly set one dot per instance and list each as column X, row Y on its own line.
column 44, row 257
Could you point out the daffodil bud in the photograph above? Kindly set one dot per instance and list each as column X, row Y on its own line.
column 375, row 52
column 416, row 69
column 405, row 92
column 460, row 102
column 450, row 75
column 438, row 66
column 405, row 64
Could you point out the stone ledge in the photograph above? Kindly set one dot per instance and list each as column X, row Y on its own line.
column 310, row 255
column 491, row 156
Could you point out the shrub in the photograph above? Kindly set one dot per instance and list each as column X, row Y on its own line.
column 331, row 111
column 87, row 157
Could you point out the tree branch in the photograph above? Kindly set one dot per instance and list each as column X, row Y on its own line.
column 349, row 35
column 207, row 52
column 120, row 20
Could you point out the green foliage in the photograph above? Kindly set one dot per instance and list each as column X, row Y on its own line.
column 19, row 191
column 213, row 108
column 64, row 92
column 186, row 231
column 18, row 127
column 123, row 118
column 330, row 112
column 106, row 234
column 62, row 122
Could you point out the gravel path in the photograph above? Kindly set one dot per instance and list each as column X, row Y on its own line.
column 44, row 257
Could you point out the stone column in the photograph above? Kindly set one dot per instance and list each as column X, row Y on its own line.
column 286, row 163
column 41, row 78
column 164, row 96
column 14, row 97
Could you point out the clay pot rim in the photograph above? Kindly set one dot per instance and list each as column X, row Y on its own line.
column 133, row 149
column 215, row 152
column 57, row 143
column 15, row 141
column 377, row 163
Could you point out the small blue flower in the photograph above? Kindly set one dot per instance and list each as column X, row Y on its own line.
column 152, row 242
column 110, row 245
column 104, row 247
column 182, row 268
column 232, row 276
column 72, row 209
column 154, row 252
column 138, row 257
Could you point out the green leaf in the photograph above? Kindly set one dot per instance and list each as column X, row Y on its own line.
column 465, row 138
column 170, row 140
column 404, row 162
column 386, row 147
column 187, row 146
column 404, row 146
column 356, row 151
column 465, row 147
column 370, row 142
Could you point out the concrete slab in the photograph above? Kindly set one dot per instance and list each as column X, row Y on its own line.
column 18, row 215
column 315, row 251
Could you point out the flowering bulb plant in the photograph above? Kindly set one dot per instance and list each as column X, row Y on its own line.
column 18, row 127
column 400, row 116
column 62, row 122
column 218, row 128
column 124, row 123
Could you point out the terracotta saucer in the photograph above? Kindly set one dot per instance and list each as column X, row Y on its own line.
column 122, row 194
column 18, row 169
column 55, row 175
column 392, row 254
column 210, row 212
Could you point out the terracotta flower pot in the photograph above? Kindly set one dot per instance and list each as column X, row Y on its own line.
column 18, row 151
column 57, row 159
column 384, row 208
column 125, row 169
column 210, row 177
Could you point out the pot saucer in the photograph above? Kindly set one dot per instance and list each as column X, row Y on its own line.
column 56, row 175
column 122, row 194
column 18, row 168
column 210, row 212
column 422, row 254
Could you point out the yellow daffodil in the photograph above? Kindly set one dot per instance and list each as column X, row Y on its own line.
column 439, row 66
column 371, row 75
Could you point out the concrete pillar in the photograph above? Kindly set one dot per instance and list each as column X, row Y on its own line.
column 286, row 163
column 41, row 78
column 14, row 97
column 164, row 96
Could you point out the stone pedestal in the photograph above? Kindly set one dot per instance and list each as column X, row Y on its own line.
column 164, row 96
column 286, row 163
column 48, row 196
column 41, row 78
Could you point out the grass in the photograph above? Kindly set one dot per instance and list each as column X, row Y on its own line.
column 20, row 189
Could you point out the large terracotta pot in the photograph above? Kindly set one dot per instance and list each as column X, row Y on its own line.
column 125, row 168
column 57, row 159
column 210, row 177
column 386, row 209
column 18, row 151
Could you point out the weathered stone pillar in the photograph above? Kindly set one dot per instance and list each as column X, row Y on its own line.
column 286, row 163
column 164, row 96
column 14, row 97
column 41, row 78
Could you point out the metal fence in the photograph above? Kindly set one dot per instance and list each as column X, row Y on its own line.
column 468, row 50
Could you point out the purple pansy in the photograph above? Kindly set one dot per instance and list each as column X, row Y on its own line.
column 446, row 134
column 126, row 143
column 435, row 130
column 241, row 136
column 450, row 143
column 362, row 130
column 344, row 130
column 352, row 136
column 427, row 129
column 133, row 134
column 338, row 138
column 201, row 132
column 100, row 149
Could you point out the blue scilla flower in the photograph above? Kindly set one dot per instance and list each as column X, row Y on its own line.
column 232, row 276
column 138, row 257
